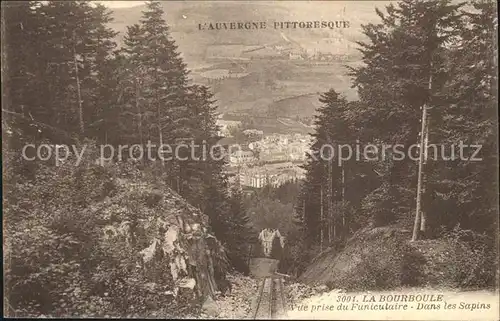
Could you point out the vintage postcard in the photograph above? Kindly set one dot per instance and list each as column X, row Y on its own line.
column 331, row 160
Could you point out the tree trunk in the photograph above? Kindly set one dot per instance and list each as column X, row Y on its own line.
column 304, row 210
column 419, row 176
column 423, row 217
column 321, row 221
column 344, row 228
column 139, row 112
column 331, row 219
column 78, row 90
column 161, row 143
column 420, row 222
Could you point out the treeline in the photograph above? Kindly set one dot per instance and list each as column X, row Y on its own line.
column 271, row 207
column 436, row 55
column 65, row 81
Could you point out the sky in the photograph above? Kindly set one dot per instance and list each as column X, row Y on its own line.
column 120, row 4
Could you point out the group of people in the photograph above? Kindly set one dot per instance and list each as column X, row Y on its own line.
column 269, row 236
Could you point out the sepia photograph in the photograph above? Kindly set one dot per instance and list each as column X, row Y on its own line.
column 249, row 159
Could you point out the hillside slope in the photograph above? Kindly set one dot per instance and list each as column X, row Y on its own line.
column 266, row 73
column 183, row 18
column 171, row 231
column 384, row 258
column 107, row 241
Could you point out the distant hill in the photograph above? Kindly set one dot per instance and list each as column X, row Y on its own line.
column 262, row 76
column 183, row 18
column 299, row 106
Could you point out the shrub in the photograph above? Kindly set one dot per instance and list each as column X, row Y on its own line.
column 380, row 271
column 381, row 205
column 473, row 261
column 296, row 255
column 58, row 262
column 375, row 259
column 412, row 266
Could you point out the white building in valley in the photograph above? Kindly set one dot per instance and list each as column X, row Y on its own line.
column 240, row 157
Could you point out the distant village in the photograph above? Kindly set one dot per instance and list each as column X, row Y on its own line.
column 269, row 159
column 323, row 50
column 272, row 159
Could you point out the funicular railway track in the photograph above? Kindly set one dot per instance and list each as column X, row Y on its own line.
column 270, row 299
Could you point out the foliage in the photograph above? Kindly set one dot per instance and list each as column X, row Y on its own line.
column 240, row 234
column 67, row 83
column 296, row 254
column 266, row 213
column 272, row 207
column 57, row 68
column 52, row 241
column 84, row 241
column 474, row 263
column 434, row 53
column 373, row 259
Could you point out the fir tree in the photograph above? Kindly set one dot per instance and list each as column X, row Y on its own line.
column 132, row 74
column 462, row 190
column 240, row 233
column 21, row 31
column 323, row 185
column 404, row 69
column 103, row 114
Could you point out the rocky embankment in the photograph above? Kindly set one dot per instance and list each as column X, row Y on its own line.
column 236, row 303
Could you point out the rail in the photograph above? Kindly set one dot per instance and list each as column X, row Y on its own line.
column 270, row 299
